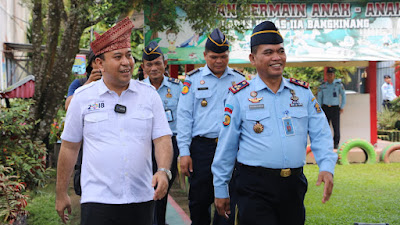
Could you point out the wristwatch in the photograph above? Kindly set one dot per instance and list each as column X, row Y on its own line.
column 168, row 172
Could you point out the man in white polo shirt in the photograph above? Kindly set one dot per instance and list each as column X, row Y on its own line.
column 117, row 118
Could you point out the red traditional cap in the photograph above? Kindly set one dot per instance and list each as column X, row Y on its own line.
column 115, row 38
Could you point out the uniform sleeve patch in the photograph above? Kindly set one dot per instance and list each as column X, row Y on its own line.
column 228, row 108
column 227, row 120
column 237, row 87
column 317, row 107
column 299, row 82
column 186, row 86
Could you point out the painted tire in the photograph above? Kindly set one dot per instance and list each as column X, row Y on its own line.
column 388, row 150
column 345, row 148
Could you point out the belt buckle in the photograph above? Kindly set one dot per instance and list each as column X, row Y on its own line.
column 329, row 106
column 285, row 172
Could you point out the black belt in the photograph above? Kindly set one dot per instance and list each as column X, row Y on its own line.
column 199, row 138
column 386, row 100
column 278, row 172
column 330, row 105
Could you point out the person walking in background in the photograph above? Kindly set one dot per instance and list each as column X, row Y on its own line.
column 388, row 93
column 93, row 73
column 269, row 119
column 200, row 111
column 117, row 118
column 332, row 97
column 169, row 90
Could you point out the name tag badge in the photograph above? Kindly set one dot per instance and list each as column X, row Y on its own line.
column 288, row 126
column 169, row 115
column 258, row 106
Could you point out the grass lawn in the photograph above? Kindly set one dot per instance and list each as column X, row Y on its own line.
column 361, row 193
column 41, row 205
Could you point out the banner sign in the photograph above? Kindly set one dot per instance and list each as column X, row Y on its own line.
column 312, row 31
column 79, row 67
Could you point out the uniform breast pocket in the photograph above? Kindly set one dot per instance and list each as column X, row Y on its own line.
column 95, row 122
column 300, row 120
column 258, row 120
column 203, row 94
column 140, row 124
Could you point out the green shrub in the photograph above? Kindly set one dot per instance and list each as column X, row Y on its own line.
column 17, row 150
column 12, row 201
column 57, row 126
column 387, row 119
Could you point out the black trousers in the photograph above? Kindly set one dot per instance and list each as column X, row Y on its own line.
column 161, row 205
column 201, row 192
column 333, row 115
column 386, row 104
column 269, row 199
column 121, row 214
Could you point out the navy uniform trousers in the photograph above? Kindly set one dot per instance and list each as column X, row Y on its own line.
column 333, row 115
column 266, row 198
column 161, row 205
column 201, row 192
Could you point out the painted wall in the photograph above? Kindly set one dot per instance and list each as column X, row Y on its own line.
column 313, row 30
column 14, row 17
column 354, row 122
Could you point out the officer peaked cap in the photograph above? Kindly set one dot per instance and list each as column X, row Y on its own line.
column 265, row 33
column 217, row 42
column 152, row 51
column 331, row 70
column 386, row 76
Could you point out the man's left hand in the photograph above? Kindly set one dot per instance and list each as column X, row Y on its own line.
column 161, row 180
column 327, row 178
column 341, row 110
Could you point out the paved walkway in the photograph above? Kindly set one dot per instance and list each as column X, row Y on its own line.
column 175, row 214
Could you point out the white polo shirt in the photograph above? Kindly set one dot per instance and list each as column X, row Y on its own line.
column 116, row 163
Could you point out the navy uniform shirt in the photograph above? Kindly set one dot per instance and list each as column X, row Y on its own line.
column 287, row 117
column 195, row 119
column 169, row 92
column 328, row 94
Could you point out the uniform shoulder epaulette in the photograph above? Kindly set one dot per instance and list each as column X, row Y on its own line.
column 174, row 80
column 237, row 87
column 84, row 87
column 299, row 82
column 239, row 72
column 193, row 72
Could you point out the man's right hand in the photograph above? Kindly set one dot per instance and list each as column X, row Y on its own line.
column 94, row 75
column 63, row 203
column 186, row 165
column 223, row 207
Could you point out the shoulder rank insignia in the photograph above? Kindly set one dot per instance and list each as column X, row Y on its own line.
column 237, row 87
column 193, row 72
column 238, row 72
column 299, row 82
column 174, row 80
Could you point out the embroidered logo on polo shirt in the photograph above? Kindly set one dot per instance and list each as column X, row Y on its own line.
column 96, row 106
